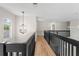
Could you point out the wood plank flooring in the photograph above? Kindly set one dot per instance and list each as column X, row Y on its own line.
column 42, row 48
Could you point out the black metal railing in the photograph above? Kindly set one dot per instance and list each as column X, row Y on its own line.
column 18, row 49
column 61, row 45
column 31, row 46
column 2, row 49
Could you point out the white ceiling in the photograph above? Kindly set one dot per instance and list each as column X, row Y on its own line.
column 49, row 11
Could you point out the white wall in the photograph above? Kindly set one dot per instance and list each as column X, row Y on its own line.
column 5, row 14
column 74, row 29
column 44, row 25
column 30, row 24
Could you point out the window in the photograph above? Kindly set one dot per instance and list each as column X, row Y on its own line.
column 7, row 25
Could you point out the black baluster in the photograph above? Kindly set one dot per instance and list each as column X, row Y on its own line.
column 65, row 48
column 72, row 50
column 11, row 54
column 17, row 53
column 61, row 48
column 77, row 51
column 68, row 49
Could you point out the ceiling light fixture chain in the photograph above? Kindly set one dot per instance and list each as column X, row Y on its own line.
column 23, row 17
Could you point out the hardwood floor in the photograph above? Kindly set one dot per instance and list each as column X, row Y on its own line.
column 42, row 48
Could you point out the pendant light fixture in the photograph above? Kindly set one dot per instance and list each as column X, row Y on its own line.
column 35, row 4
column 22, row 27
